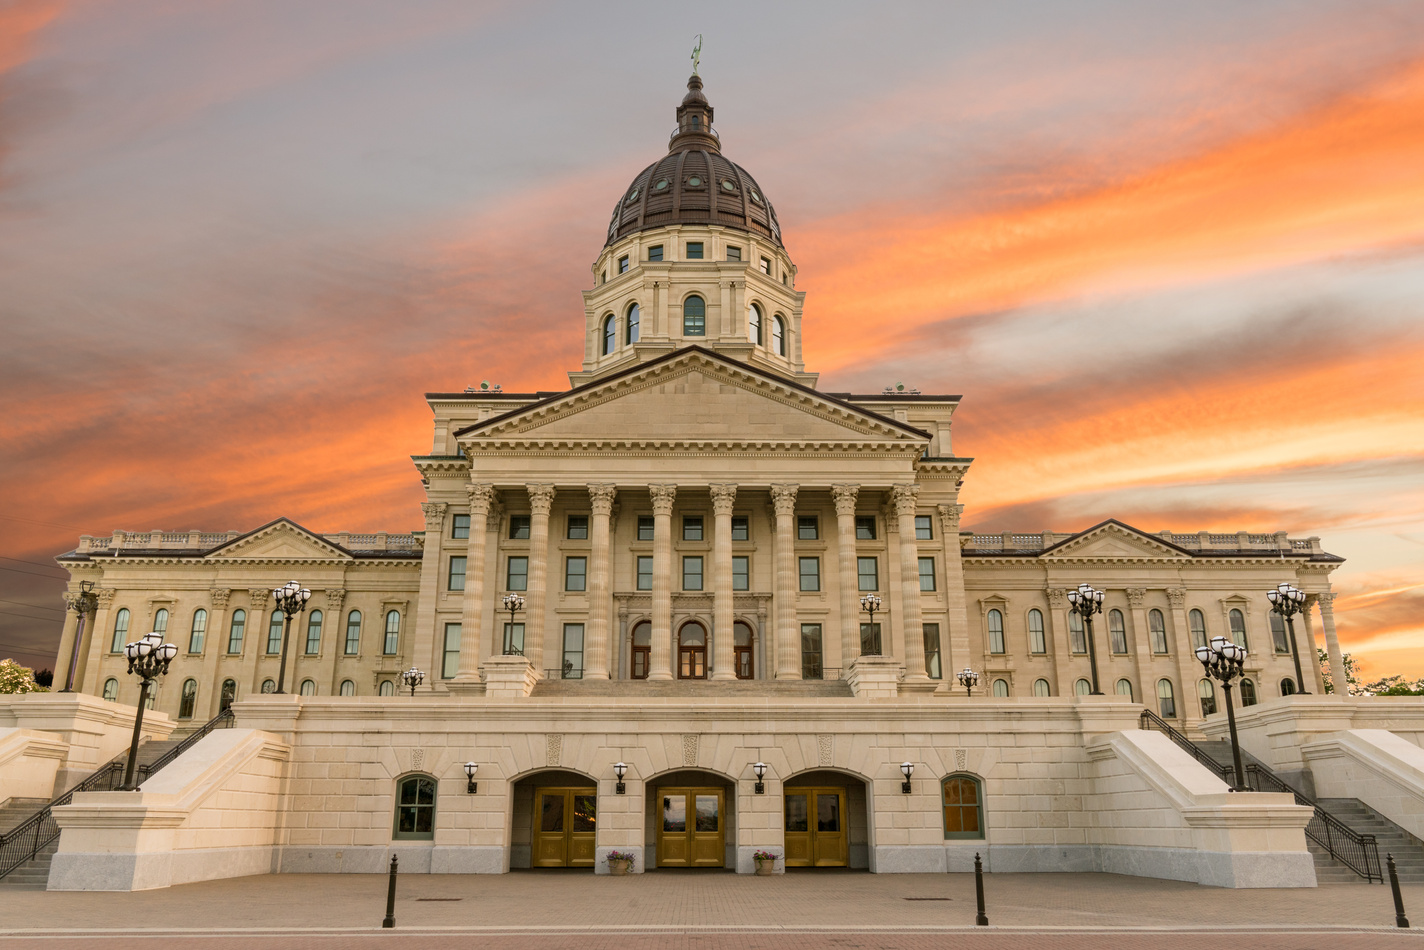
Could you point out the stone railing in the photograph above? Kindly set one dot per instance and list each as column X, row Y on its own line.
column 206, row 541
column 1201, row 541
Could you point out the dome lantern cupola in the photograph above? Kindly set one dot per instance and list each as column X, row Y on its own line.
column 694, row 121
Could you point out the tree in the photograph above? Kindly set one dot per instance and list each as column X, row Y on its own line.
column 1395, row 685
column 1352, row 673
column 15, row 678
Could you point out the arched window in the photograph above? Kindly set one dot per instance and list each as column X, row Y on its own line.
column 1238, row 627
column 642, row 650
column 188, row 699
column 111, row 690
column 121, row 631
column 1117, row 631
column 694, row 316
column 1037, row 643
column 1197, row 621
column 415, row 808
column 314, row 620
column 274, row 632
column 353, row 633
column 1001, row 689
column 160, row 620
column 269, row 686
column 610, row 334
column 1157, row 624
column 392, row 645
column 229, row 694
column 1166, row 702
column 631, row 328
column 1287, row 687
column 152, row 701
column 754, row 324
column 196, row 632
column 308, row 688
column 1082, row 687
column 1041, row 688
column 742, row 651
column 778, row 335
column 996, row 631
column 1124, row 688
column 235, row 630
column 1248, row 693
column 1207, row 693
column 1077, row 640
column 348, row 688
column 963, row 807
column 388, row 688
column 1279, row 640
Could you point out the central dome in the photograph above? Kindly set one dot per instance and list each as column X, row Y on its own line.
column 694, row 183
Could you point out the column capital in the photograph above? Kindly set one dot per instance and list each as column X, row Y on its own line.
column 845, row 496
column 601, row 497
column 1135, row 596
column 906, row 497
column 663, row 498
column 334, row 598
column 783, row 498
column 724, row 496
column 1057, row 598
column 1177, row 597
column 219, row 597
column 434, row 514
column 949, row 517
column 541, row 498
column 481, row 496
column 1327, row 602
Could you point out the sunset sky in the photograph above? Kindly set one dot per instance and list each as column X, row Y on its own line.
column 1171, row 254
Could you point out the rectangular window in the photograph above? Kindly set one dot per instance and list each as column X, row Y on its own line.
column 865, row 528
column 692, row 573
column 578, row 528
column 867, row 573
column 450, row 661
column 645, row 572
column 766, row 266
column 741, row 573
column 924, row 531
column 808, row 528
column 655, row 253
column 353, row 633
column 692, row 529
column 456, row 578
column 513, row 639
column 516, row 576
column 694, row 250
column 810, row 573
column 811, row 668
column 461, row 527
column 645, row 527
column 741, row 528
column 734, row 253
column 519, row 527
column 927, row 573
column 623, row 264
column 576, row 573
column 274, row 632
column 932, row 659
column 573, row 652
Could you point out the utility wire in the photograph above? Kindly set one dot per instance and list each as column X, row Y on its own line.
column 6, row 557
column 26, row 616
column 52, row 577
column 30, row 606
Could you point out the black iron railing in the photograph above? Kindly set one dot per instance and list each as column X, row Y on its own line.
column 1150, row 720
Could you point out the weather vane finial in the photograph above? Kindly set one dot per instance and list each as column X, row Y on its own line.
column 696, row 54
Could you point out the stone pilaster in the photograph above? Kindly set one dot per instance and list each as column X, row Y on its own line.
column 660, row 654
column 480, row 494
column 427, row 648
column 723, row 664
column 1062, row 649
column 786, row 640
column 845, row 498
column 957, row 636
column 1136, row 602
column 1188, row 669
column 254, row 641
column 214, row 645
column 600, row 596
column 912, row 629
column 541, row 501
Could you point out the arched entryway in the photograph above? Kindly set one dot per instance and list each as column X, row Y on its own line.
column 553, row 820
column 826, row 820
column 692, row 651
column 690, row 821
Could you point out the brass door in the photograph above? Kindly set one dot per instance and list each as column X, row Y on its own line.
column 692, row 828
column 816, row 828
column 564, row 826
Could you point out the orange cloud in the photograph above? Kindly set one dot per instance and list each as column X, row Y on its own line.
column 20, row 20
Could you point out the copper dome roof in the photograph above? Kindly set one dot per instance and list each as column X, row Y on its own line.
column 694, row 184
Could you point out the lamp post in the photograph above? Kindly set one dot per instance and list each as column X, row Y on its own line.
column 291, row 599
column 1223, row 661
column 84, row 604
column 760, row 770
column 512, row 603
column 907, row 769
column 620, row 769
column 412, row 678
column 148, row 658
column 870, row 603
column 1288, row 601
column 968, row 679
column 470, row 769
column 1085, row 602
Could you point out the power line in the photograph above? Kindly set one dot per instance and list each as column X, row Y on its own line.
column 31, row 573
column 6, row 557
column 26, row 616
column 52, row 524
column 30, row 606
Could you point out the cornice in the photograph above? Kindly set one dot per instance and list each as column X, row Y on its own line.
column 530, row 445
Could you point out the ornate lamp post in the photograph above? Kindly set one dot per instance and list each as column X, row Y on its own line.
column 1287, row 601
column 1223, row 661
column 512, row 603
column 870, row 603
column 412, row 678
column 968, row 679
column 84, row 604
column 1085, row 602
column 291, row 599
column 148, row 658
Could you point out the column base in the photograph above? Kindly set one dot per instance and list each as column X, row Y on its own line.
column 719, row 675
column 659, row 675
column 919, row 684
column 470, row 687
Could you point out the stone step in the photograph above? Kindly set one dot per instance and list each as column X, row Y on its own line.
column 769, row 689
column 17, row 810
column 33, row 873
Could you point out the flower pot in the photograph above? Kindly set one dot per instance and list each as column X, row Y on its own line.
column 618, row 868
column 765, row 868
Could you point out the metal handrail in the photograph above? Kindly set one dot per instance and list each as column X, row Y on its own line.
column 1149, row 719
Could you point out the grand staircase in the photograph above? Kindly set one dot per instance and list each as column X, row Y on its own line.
column 691, row 689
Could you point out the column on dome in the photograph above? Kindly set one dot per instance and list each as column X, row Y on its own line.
column 786, row 640
column 541, row 500
column 426, row 646
column 954, row 598
column 600, row 598
column 912, row 630
column 1338, row 678
column 481, row 495
column 1188, row 669
column 660, row 656
column 845, row 497
column 1136, row 602
column 723, row 664
column 1062, row 649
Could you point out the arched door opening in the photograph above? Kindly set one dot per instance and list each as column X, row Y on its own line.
column 827, row 823
column 742, row 651
column 554, row 820
column 690, row 820
column 692, row 651
column 642, row 651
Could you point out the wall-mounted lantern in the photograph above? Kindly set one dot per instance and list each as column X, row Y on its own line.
column 760, row 770
column 619, row 769
column 470, row 770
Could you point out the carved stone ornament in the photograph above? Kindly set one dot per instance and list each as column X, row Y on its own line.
column 1135, row 596
column 541, row 498
column 258, row 598
column 220, row 596
column 783, row 499
column 107, row 594
column 825, row 749
column 689, row 749
column 1057, row 598
column 1177, row 597
column 961, row 759
column 417, row 760
column 906, row 497
column 663, row 498
column 845, row 496
column 602, row 497
column 434, row 514
column 334, row 598
column 1327, row 603
column 481, row 496
column 949, row 517
column 554, row 749
column 723, row 498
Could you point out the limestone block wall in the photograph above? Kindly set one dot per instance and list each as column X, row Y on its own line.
column 29, row 761
column 94, row 731
column 1381, row 768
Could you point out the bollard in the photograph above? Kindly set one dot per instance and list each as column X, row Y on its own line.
column 390, row 920
column 979, row 919
column 1399, row 919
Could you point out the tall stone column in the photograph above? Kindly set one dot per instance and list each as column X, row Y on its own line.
column 1136, row 602
column 600, row 595
column 481, row 494
column 214, row 646
column 660, row 655
column 254, row 641
column 1338, row 678
column 93, row 658
column 1188, row 669
column 1308, row 648
column 541, row 500
column 1062, row 649
column 913, row 630
column 786, row 640
column 68, row 649
column 427, row 648
column 844, row 497
column 723, row 664
column 954, row 596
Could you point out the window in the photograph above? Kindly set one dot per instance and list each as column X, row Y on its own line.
column 121, row 631
column 1287, row 687
column 188, row 699
column 348, row 688
column 870, row 639
column 766, row 266
column 196, row 632
column 1166, row 702
column 1248, row 693
column 460, row 527
column 754, row 324
column 778, row 336
column 604, row 279
column 160, row 621
column 694, row 250
column 1041, row 688
column 308, row 688
column 1001, row 689
column 228, row 695
column 924, row 530
column 632, row 327
column 642, row 650
column 1082, row 687
column 152, row 700
column 927, row 573
column 519, row 527
column 516, row 574
column 1207, row 692
column 513, row 639
column 811, row 668
column 610, row 334
column 742, row 651
column 450, row 660
column 578, row 528
column 734, row 253
column 1197, row 621
column 235, row 630
column 692, row 529
column 1278, row 633
column 741, row 528
column 996, row 631
column 1124, row 688
column 865, row 527
column 655, row 253
column 810, row 573
column 1037, row 642
column 741, row 573
column 573, row 652
column 645, row 572
column 932, row 655
column 392, row 645
column 274, row 632
column 415, row 808
column 1238, row 627
column 111, row 689
column 808, row 528
column 1157, row 626
column 576, row 573
column 623, row 264
column 963, row 807
column 353, row 633
column 645, row 527
column 388, row 688
column 314, row 620
column 867, row 573
column 694, row 317
column 692, row 573
column 456, row 578
column 1117, row 631
column 1078, row 640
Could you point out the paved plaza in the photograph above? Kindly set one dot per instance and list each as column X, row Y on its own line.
column 709, row 911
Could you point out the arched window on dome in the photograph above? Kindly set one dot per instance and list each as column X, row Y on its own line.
column 754, row 324
column 610, row 334
column 630, row 333
column 694, row 316
column 778, row 335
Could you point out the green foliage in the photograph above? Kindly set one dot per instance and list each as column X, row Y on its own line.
column 1352, row 673
column 15, row 678
column 1395, row 685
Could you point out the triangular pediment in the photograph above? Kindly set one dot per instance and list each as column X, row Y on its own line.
column 695, row 394
column 1115, row 540
column 282, row 540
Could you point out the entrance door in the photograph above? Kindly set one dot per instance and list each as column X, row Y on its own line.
column 691, row 829
column 742, row 650
column 815, row 828
column 692, row 652
column 564, row 825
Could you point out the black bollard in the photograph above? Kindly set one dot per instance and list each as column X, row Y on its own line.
column 390, row 920
column 1399, row 919
column 979, row 918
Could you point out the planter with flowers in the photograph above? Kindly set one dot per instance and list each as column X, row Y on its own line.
column 765, row 862
column 620, row 862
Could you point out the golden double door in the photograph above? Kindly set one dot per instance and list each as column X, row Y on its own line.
column 565, row 820
column 816, row 828
column 692, row 828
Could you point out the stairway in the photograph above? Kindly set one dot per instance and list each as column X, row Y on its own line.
column 692, row 689
column 1408, row 850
